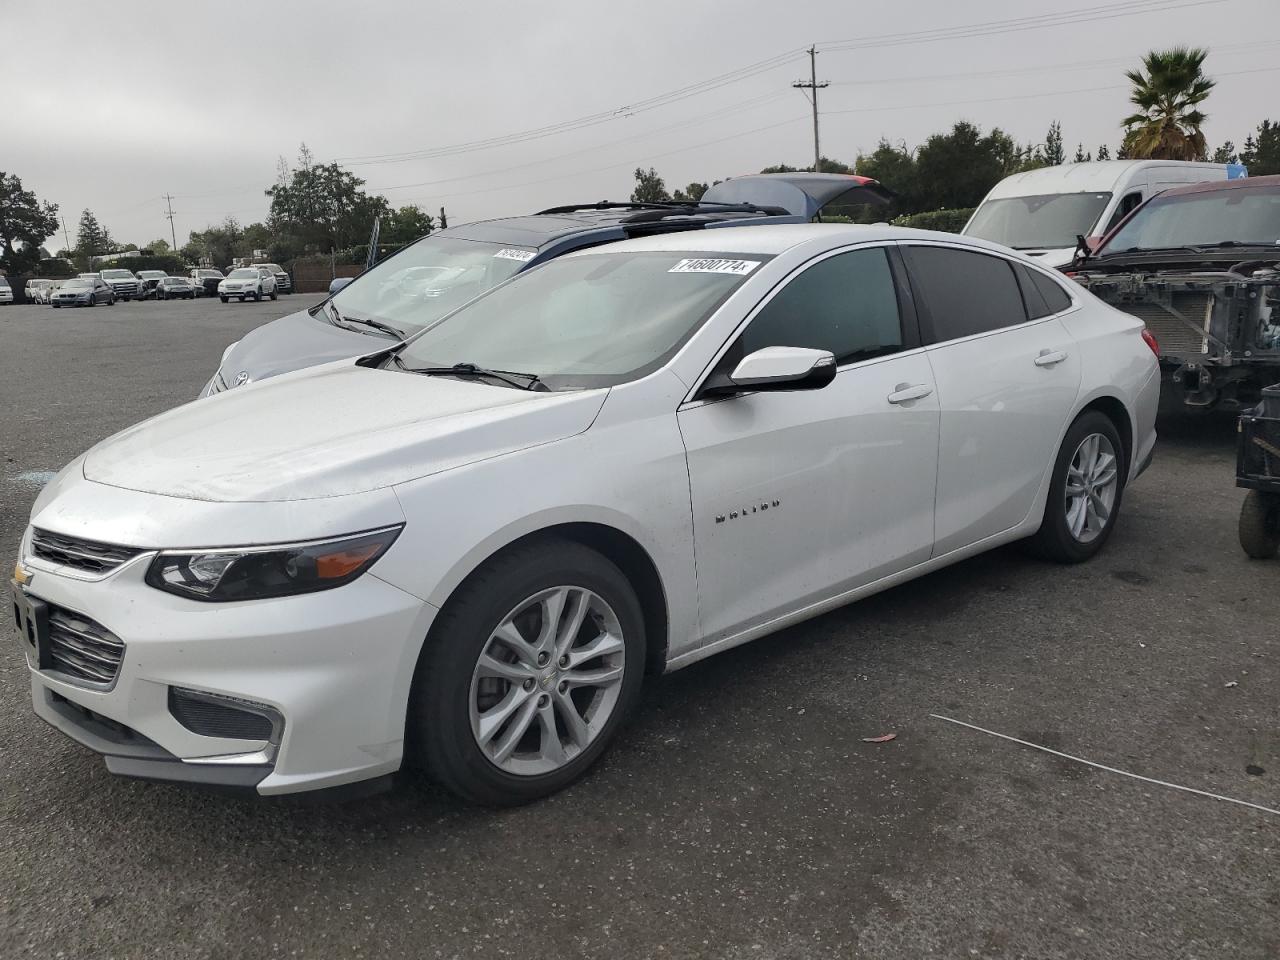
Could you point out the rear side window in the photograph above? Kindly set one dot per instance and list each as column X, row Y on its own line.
column 847, row 304
column 965, row 292
column 1055, row 297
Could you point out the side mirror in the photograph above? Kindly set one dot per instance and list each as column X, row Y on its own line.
column 337, row 283
column 785, row 368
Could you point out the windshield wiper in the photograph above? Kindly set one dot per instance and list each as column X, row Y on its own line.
column 338, row 320
column 522, row 381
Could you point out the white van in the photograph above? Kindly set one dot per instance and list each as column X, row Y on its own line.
column 1041, row 212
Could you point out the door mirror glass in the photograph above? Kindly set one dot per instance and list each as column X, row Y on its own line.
column 785, row 368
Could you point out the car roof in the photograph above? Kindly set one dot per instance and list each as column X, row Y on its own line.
column 758, row 198
column 1212, row 186
column 1089, row 176
column 776, row 239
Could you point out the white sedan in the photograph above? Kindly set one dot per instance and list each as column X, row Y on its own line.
column 246, row 282
column 470, row 550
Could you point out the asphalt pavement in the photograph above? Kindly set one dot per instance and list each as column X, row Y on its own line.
column 740, row 815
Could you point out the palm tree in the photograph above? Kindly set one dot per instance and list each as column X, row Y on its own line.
column 1168, row 126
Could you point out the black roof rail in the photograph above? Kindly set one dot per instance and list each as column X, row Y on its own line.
column 692, row 210
column 613, row 205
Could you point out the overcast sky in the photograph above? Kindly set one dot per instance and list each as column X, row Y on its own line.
column 200, row 101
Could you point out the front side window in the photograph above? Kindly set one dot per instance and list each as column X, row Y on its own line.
column 585, row 321
column 1042, row 222
column 965, row 292
column 846, row 304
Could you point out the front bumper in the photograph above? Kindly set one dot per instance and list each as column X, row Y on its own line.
column 335, row 667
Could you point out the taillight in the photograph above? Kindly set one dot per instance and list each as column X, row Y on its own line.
column 1150, row 339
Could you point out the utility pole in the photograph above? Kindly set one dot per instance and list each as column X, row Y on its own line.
column 65, row 239
column 813, row 86
column 173, row 234
column 444, row 219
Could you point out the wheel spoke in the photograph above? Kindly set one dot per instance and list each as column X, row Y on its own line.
column 510, row 637
column 517, row 672
column 576, row 613
column 552, row 608
column 491, row 721
column 602, row 677
column 516, row 731
column 602, row 646
column 574, row 724
column 1099, row 509
column 552, row 748
column 1077, row 515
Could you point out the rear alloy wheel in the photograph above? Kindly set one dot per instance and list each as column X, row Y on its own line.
column 1084, row 493
column 528, row 674
column 1260, row 524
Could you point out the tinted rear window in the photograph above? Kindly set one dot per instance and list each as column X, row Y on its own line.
column 1053, row 294
column 965, row 292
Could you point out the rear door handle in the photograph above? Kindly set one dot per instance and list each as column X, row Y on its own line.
column 1048, row 358
column 906, row 392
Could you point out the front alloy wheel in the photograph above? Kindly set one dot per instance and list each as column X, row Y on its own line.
column 547, row 681
column 528, row 673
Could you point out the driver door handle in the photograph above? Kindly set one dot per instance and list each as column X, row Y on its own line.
column 906, row 392
column 1048, row 358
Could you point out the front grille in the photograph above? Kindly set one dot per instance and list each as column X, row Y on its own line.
column 211, row 716
column 1175, row 337
column 81, row 648
column 88, row 555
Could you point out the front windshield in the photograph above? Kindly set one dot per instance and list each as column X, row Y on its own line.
column 1243, row 216
column 1043, row 222
column 245, row 273
column 210, row 273
column 76, row 284
column 274, row 268
column 585, row 321
column 151, row 274
column 116, row 275
column 422, row 283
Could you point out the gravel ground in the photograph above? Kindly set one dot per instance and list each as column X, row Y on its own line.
column 740, row 815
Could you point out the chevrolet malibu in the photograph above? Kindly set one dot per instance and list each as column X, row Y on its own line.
column 469, row 550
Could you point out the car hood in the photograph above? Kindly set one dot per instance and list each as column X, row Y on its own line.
column 1056, row 257
column 295, row 342
column 336, row 430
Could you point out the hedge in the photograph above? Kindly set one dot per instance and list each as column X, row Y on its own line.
column 947, row 221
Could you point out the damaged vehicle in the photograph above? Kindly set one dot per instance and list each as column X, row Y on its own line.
column 1200, row 266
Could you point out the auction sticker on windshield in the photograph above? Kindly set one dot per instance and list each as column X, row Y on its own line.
column 739, row 268
column 511, row 253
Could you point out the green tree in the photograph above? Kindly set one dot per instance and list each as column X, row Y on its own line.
column 322, row 205
column 92, row 239
column 894, row 165
column 214, row 244
column 159, row 247
column 956, row 169
column 692, row 192
column 1081, row 156
column 1054, row 153
column 25, row 223
column 405, row 225
column 649, row 187
column 1261, row 153
column 1104, row 152
column 1167, row 124
column 1226, row 154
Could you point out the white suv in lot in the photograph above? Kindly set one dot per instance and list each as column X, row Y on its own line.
column 471, row 548
column 245, row 282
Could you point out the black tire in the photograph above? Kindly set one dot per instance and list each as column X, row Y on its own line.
column 111, row 302
column 273, row 295
column 257, row 296
column 439, row 724
column 223, row 299
column 93, row 301
column 1054, row 541
column 1260, row 524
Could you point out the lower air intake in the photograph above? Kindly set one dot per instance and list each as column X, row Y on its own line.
column 215, row 716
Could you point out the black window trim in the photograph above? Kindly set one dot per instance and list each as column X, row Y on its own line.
column 908, row 319
column 926, row 321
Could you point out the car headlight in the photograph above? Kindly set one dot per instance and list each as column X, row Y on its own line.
column 257, row 573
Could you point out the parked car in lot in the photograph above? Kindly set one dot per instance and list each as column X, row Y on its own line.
column 1200, row 266
column 474, row 545
column 38, row 290
column 149, row 280
column 284, row 283
column 1042, row 212
column 379, row 305
column 175, row 288
column 6, row 291
column 125, row 285
column 83, row 292
column 246, row 282
column 205, row 280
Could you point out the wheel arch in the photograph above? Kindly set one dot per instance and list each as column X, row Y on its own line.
column 1113, row 409
column 630, row 556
